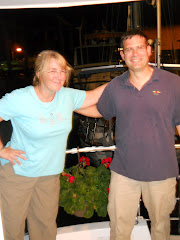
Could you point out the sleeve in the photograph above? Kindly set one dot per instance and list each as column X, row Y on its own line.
column 176, row 116
column 106, row 103
column 78, row 97
column 9, row 105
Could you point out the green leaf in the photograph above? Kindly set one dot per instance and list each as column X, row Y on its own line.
column 89, row 213
column 88, row 190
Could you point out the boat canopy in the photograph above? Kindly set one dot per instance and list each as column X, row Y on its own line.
column 19, row 4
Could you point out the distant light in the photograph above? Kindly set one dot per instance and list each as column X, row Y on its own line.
column 18, row 49
column 150, row 41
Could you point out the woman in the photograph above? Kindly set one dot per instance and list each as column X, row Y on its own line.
column 41, row 117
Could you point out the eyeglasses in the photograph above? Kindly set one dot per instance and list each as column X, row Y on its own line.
column 55, row 72
column 138, row 49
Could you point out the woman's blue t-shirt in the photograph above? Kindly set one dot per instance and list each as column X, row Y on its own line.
column 40, row 129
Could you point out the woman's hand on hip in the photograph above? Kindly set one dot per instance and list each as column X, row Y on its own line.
column 11, row 155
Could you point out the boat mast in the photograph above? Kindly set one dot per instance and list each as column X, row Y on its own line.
column 158, row 4
column 136, row 9
column 134, row 16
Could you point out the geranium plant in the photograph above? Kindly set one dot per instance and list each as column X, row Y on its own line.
column 85, row 188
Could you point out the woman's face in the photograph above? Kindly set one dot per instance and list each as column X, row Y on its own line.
column 53, row 77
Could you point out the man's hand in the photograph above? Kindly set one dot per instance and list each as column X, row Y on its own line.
column 11, row 155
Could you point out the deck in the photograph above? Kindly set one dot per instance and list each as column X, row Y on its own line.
column 101, row 231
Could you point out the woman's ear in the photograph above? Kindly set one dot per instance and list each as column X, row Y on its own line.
column 38, row 74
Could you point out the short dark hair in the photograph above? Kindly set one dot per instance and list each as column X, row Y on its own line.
column 131, row 33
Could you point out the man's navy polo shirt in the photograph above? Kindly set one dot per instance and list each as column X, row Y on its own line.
column 145, row 124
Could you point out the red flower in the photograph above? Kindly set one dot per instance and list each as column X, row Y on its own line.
column 106, row 162
column 88, row 163
column 71, row 179
column 85, row 160
column 81, row 159
column 107, row 165
column 109, row 159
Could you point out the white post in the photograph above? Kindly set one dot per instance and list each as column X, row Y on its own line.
column 1, row 228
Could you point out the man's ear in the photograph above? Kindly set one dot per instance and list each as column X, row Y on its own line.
column 122, row 54
column 149, row 50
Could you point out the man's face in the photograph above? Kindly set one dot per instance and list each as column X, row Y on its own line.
column 136, row 53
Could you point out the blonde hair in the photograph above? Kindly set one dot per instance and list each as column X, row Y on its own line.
column 43, row 60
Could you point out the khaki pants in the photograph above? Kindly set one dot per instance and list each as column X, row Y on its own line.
column 33, row 198
column 124, row 195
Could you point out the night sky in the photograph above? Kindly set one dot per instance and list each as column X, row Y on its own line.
column 38, row 29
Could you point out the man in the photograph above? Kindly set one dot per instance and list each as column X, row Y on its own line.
column 146, row 104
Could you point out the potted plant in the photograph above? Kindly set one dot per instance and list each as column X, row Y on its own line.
column 85, row 188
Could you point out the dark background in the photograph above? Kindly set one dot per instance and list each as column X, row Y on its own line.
column 58, row 28
column 38, row 29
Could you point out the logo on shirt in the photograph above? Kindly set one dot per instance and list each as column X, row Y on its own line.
column 51, row 119
column 156, row 92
